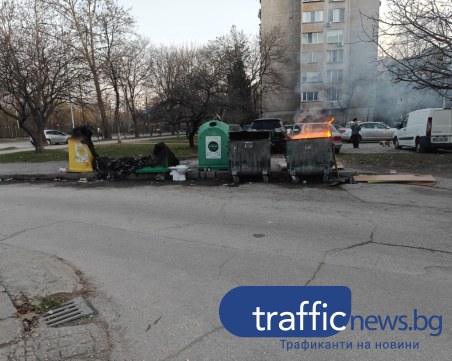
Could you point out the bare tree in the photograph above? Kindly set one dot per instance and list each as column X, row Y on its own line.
column 115, row 24
column 81, row 17
column 36, row 65
column 136, row 68
column 188, row 85
column 415, row 42
column 268, row 53
column 261, row 58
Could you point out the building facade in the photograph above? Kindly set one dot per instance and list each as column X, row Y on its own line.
column 332, row 68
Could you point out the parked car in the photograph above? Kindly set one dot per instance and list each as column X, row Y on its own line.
column 54, row 137
column 336, row 139
column 235, row 128
column 370, row 131
column 425, row 129
column 276, row 128
column 289, row 128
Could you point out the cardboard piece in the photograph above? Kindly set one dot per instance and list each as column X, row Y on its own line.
column 396, row 178
column 283, row 165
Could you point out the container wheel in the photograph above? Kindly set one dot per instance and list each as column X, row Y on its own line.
column 295, row 179
column 266, row 178
column 235, row 178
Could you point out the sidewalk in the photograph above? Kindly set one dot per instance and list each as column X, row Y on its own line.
column 25, row 279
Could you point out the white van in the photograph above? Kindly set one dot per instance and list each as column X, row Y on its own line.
column 425, row 129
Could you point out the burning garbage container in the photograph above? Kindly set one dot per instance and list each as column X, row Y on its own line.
column 310, row 151
column 213, row 146
column 81, row 150
column 250, row 154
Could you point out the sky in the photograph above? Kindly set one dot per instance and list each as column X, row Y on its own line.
column 192, row 21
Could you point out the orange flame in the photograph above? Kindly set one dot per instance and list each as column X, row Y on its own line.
column 314, row 130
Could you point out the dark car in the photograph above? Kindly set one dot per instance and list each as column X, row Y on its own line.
column 276, row 128
column 235, row 128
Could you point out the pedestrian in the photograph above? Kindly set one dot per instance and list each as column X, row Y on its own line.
column 355, row 133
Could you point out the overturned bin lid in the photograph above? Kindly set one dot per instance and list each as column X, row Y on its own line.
column 262, row 135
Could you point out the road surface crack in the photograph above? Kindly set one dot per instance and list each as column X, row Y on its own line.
column 365, row 243
column 316, row 272
column 338, row 250
column 29, row 229
column 194, row 342
column 220, row 268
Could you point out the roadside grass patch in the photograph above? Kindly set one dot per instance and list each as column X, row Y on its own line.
column 137, row 150
column 52, row 301
column 32, row 157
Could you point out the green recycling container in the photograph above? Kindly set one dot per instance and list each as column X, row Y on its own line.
column 213, row 146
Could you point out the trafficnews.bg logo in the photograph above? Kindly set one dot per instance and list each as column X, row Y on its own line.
column 308, row 311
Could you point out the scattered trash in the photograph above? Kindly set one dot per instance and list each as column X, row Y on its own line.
column 83, row 180
column 392, row 171
column 62, row 170
column 162, row 157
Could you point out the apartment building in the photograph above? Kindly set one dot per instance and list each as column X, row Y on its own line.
column 332, row 68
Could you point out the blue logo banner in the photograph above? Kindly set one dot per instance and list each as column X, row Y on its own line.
column 286, row 311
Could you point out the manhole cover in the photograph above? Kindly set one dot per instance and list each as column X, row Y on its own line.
column 67, row 312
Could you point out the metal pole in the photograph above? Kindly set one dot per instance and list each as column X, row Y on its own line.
column 72, row 117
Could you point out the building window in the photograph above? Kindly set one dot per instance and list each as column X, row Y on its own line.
column 336, row 15
column 311, row 77
column 335, row 36
column 312, row 17
column 311, row 57
column 313, row 38
column 310, row 96
column 333, row 95
column 333, row 76
column 336, row 56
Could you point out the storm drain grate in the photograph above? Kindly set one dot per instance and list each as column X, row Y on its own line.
column 67, row 312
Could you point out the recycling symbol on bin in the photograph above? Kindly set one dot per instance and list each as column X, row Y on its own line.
column 213, row 146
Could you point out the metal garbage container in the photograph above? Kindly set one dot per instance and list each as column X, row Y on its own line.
column 250, row 154
column 308, row 157
column 213, row 146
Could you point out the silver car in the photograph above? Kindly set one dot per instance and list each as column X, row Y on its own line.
column 54, row 136
column 370, row 131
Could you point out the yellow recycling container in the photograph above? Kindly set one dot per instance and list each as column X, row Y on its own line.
column 80, row 157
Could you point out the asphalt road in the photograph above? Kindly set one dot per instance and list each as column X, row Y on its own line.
column 162, row 257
